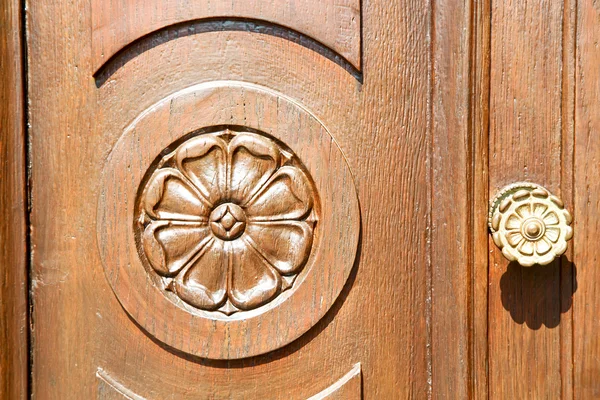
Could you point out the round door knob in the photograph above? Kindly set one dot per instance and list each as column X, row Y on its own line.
column 529, row 224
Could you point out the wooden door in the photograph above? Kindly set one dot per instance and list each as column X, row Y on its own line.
column 289, row 199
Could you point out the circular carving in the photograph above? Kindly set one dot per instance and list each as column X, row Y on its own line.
column 530, row 225
column 226, row 220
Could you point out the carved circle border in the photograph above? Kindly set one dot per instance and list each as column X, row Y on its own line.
column 292, row 313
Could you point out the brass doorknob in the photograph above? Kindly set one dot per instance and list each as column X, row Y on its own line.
column 529, row 224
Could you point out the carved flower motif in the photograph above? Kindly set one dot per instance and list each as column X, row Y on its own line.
column 530, row 225
column 227, row 220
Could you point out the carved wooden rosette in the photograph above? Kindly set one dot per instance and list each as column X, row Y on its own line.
column 241, row 228
column 530, row 225
column 226, row 220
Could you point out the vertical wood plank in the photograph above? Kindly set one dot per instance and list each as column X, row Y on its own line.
column 13, row 230
column 480, row 98
column 567, row 268
column 60, row 144
column 451, row 234
column 587, row 203
column 392, row 159
column 526, row 83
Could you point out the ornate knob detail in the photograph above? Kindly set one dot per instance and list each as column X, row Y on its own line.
column 529, row 224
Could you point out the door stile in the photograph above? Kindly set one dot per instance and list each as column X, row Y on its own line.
column 460, row 96
column 14, row 327
column 527, row 142
column 567, row 189
column 479, row 128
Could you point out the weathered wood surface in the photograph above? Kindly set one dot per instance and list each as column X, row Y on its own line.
column 529, row 314
column 382, row 127
column 586, row 194
column 13, row 203
column 448, row 104
column 453, row 184
column 335, row 23
column 480, row 97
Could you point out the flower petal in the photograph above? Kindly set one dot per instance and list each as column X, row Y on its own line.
column 513, row 222
column 253, row 281
column 286, row 245
column 287, row 195
column 539, row 209
column 514, row 237
column 552, row 233
column 551, row 218
column 526, row 248
column 169, row 195
column 542, row 246
column 170, row 245
column 202, row 159
column 524, row 210
column 203, row 284
column 253, row 160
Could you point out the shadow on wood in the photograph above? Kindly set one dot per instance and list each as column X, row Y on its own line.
column 536, row 295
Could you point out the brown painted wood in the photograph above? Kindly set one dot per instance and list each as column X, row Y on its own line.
column 380, row 124
column 480, row 99
column 347, row 387
column 525, row 305
column 586, row 340
column 13, row 203
column 335, row 24
column 568, row 267
column 392, row 125
column 452, row 185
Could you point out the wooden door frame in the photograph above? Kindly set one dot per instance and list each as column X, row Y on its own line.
column 14, row 324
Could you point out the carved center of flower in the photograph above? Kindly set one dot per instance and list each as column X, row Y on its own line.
column 533, row 228
column 228, row 221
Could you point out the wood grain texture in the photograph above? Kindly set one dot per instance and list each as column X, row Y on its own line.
column 568, row 271
column 13, row 203
column 587, row 203
column 348, row 387
column 441, row 82
column 480, row 99
column 336, row 24
column 382, row 126
column 447, row 91
column 451, row 200
column 110, row 389
column 526, row 84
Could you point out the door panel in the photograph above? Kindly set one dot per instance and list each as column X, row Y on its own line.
column 348, row 387
column 382, row 129
column 221, row 146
